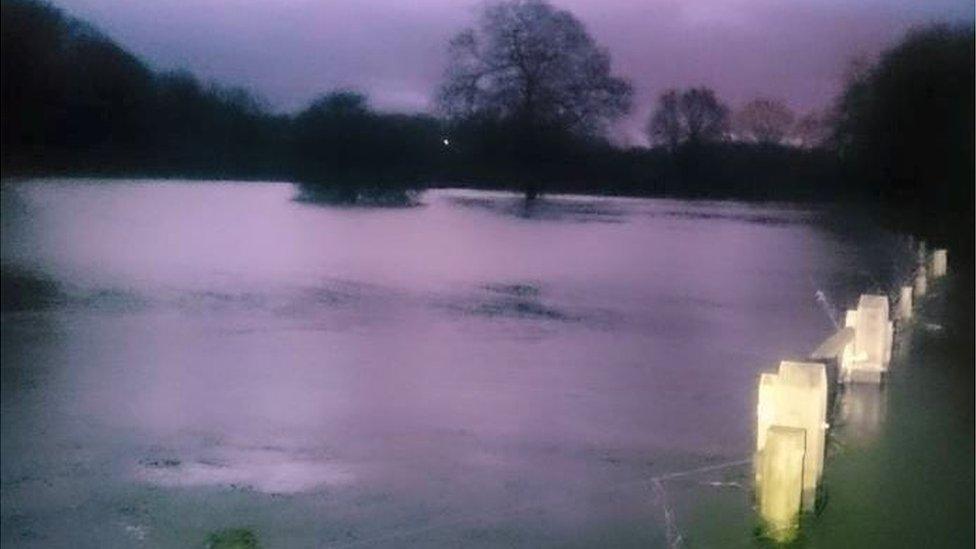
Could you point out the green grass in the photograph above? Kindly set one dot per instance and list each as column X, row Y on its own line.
column 234, row 538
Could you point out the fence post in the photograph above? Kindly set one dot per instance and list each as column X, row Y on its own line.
column 905, row 303
column 921, row 284
column 937, row 263
column 795, row 397
column 782, row 488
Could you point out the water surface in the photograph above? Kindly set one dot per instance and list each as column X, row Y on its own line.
column 472, row 371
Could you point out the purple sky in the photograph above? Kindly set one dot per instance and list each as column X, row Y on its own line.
column 290, row 51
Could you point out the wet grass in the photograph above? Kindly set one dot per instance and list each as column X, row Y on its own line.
column 27, row 290
column 233, row 538
column 546, row 209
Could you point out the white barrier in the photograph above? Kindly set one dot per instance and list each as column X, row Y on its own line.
column 780, row 496
column 865, row 359
column 938, row 264
column 795, row 397
column 922, row 253
column 905, row 303
column 792, row 405
column 921, row 283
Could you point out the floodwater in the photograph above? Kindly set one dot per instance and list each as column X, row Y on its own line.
column 184, row 358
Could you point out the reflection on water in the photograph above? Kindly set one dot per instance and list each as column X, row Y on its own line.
column 861, row 412
column 268, row 469
column 578, row 209
column 203, row 356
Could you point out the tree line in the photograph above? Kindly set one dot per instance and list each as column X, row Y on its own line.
column 904, row 134
column 75, row 102
column 528, row 101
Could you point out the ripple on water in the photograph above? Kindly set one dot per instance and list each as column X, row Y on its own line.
column 270, row 470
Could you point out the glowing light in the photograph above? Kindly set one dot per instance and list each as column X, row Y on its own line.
column 447, row 142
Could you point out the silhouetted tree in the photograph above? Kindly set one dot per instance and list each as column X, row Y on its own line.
column 332, row 135
column 693, row 116
column 763, row 120
column 347, row 153
column 852, row 108
column 905, row 130
column 206, row 129
column 65, row 87
column 31, row 76
column 665, row 127
column 535, row 68
column 74, row 102
column 813, row 129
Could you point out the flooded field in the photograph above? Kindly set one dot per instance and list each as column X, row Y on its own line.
column 186, row 358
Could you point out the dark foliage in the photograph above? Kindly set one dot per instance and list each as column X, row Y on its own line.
column 484, row 154
column 74, row 101
column 22, row 290
column 532, row 72
column 693, row 116
column 905, row 134
column 534, row 65
column 347, row 153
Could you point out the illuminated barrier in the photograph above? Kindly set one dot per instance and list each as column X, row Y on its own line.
column 833, row 347
column 836, row 351
column 792, row 405
column 921, row 284
column 905, row 303
column 866, row 358
column 780, row 496
column 938, row 264
column 796, row 398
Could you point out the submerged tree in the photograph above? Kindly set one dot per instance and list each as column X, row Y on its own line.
column 692, row 116
column 348, row 153
column 534, row 68
column 764, row 120
column 332, row 135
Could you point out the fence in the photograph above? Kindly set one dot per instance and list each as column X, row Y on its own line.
column 793, row 412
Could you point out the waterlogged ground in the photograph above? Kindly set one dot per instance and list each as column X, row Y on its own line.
column 181, row 359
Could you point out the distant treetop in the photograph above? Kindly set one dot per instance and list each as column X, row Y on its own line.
column 531, row 62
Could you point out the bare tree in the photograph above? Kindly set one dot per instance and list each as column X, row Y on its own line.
column 665, row 126
column 812, row 129
column 694, row 115
column 764, row 120
column 530, row 62
column 705, row 116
